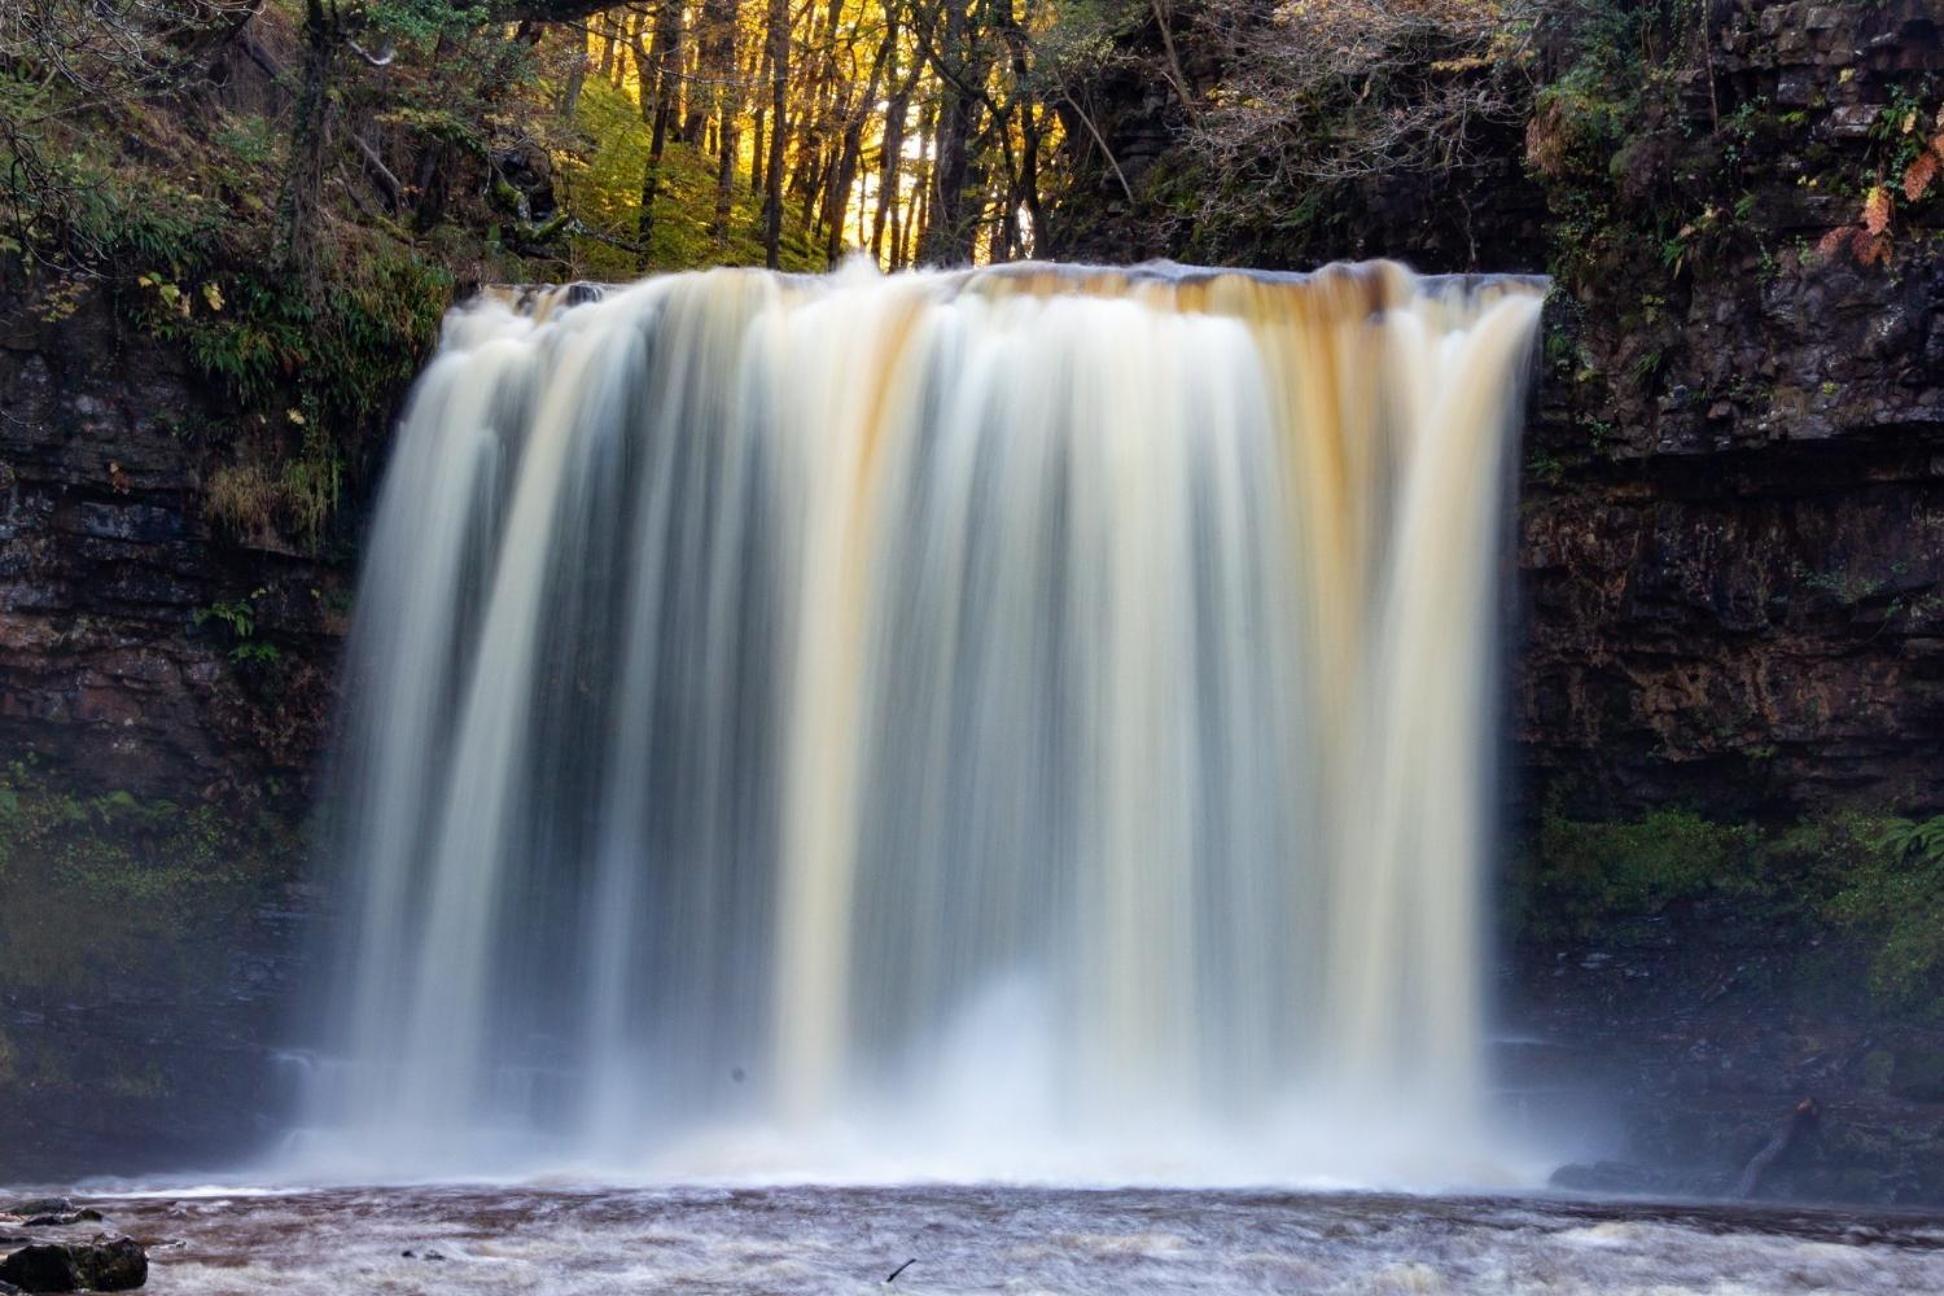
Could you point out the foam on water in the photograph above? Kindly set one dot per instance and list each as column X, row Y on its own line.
column 806, row 1242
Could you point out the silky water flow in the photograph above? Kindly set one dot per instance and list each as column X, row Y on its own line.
column 1029, row 723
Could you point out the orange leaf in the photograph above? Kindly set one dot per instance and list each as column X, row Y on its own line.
column 1876, row 210
column 1917, row 180
column 1870, row 249
column 1937, row 144
column 1833, row 242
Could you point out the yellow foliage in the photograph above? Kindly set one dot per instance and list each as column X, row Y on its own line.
column 1876, row 210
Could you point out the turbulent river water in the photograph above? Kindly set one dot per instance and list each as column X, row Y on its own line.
column 565, row 1241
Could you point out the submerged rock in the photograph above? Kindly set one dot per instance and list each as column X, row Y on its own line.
column 31, row 1206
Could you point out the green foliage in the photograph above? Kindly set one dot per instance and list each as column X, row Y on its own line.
column 114, row 886
column 604, row 190
column 165, row 205
column 1895, row 897
column 1584, row 873
column 421, row 20
column 239, row 619
column 238, row 614
column 1876, row 880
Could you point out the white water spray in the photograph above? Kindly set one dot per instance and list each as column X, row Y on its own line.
column 1024, row 723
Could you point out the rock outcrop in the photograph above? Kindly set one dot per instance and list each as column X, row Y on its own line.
column 1732, row 546
column 106, row 1262
column 149, row 659
column 117, row 663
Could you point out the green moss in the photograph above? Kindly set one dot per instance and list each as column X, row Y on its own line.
column 1871, row 881
column 1583, row 874
column 107, row 889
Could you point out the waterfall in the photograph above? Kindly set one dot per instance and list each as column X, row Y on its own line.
column 1029, row 722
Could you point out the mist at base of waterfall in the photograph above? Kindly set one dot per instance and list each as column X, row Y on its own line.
column 981, row 1103
column 565, row 1240
column 1297, row 1149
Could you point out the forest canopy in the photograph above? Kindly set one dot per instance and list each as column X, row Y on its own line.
column 296, row 190
column 603, row 139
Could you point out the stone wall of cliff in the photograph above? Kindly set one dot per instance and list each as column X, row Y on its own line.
column 166, row 693
column 142, row 648
column 1732, row 548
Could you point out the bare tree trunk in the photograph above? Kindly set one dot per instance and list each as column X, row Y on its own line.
column 667, row 74
column 921, row 215
column 715, row 66
column 606, row 27
column 779, row 60
column 947, row 239
column 889, row 159
column 1032, row 126
column 576, row 75
column 728, row 112
column 303, row 185
column 844, row 174
column 759, row 151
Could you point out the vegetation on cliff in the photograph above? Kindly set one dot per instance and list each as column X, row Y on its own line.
column 1868, row 880
column 111, row 897
column 294, row 190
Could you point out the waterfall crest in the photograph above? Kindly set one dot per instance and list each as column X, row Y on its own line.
column 1011, row 723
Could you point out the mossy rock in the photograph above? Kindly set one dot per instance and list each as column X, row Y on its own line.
column 1919, row 1074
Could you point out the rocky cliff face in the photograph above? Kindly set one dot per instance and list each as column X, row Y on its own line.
column 140, row 649
column 165, row 694
column 1732, row 548
column 1731, row 562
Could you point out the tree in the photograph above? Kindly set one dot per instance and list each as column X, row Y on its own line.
column 779, row 63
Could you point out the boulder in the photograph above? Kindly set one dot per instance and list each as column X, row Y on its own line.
column 42, row 1267
column 111, row 1263
column 107, row 1263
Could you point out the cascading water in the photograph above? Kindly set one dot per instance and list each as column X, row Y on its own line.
column 1024, row 723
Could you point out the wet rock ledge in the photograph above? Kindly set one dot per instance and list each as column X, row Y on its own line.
column 48, row 1244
